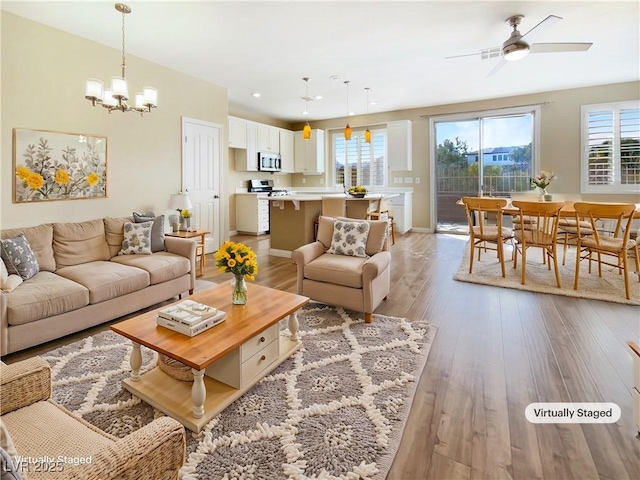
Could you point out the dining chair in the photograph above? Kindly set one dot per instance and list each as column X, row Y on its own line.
column 481, row 232
column 568, row 230
column 540, row 232
column 380, row 211
column 619, row 245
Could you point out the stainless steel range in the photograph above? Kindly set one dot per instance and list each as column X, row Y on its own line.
column 266, row 186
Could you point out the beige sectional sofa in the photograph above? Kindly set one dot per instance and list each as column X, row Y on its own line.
column 82, row 281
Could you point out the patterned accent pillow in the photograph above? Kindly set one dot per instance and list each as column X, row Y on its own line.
column 18, row 257
column 157, row 230
column 349, row 238
column 137, row 239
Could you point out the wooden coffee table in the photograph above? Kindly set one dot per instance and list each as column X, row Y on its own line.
column 226, row 360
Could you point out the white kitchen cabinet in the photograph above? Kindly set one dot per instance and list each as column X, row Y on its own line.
column 247, row 159
column 268, row 139
column 286, row 151
column 237, row 133
column 402, row 210
column 309, row 154
column 252, row 213
column 399, row 146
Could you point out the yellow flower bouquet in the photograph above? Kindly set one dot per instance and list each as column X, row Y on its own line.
column 240, row 260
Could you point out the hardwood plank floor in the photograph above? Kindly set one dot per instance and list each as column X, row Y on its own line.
column 496, row 351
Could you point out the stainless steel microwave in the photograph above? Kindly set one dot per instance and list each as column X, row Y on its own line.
column 269, row 162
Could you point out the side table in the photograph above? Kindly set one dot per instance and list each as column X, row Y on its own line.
column 199, row 246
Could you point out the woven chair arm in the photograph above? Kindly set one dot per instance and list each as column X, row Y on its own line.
column 155, row 451
column 24, row 383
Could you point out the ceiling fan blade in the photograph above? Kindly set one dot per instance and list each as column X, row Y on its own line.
column 559, row 47
column 501, row 63
column 544, row 25
column 484, row 54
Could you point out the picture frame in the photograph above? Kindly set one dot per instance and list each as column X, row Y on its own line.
column 49, row 166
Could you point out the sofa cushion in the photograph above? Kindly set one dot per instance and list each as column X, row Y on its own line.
column 106, row 280
column 40, row 239
column 162, row 266
column 137, row 239
column 114, row 233
column 44, row 295
column 78, row 243
column 18, row 257
column 336, row 269
column 349, row 238
column 157, row 231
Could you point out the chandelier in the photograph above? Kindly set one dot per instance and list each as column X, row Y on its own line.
column 116, row 98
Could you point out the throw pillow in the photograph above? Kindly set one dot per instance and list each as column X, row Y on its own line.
column 137, row 239
column 349, row 238
column 157, row 230
column 18, row 257
column 11, row 283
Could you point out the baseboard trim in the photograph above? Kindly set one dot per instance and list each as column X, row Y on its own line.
column 279, row 253
column 421, row 230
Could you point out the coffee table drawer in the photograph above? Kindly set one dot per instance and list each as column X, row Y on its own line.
column 257, row 343
column 260, row 361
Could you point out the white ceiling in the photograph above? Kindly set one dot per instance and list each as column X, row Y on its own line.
column 397, row 49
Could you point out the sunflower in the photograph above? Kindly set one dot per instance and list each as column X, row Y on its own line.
column 93, row 179
column 35, row 181
column 62, row 177
column 22, row 173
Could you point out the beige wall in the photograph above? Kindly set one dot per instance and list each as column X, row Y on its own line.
column 559, row 138
column 43, row 76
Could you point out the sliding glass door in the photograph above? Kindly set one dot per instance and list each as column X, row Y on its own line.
column 480, row 155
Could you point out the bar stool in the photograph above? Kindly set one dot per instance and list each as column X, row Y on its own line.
column 381, row 212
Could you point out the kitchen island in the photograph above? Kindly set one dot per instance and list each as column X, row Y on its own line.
column 292, row 218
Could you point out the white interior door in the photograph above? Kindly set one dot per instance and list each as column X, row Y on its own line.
column 201, row 169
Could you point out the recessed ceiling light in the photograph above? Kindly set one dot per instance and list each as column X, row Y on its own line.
column 305, row 113
column 256, row 94
column 318, row 97
column 373, row 102
column 351, row 113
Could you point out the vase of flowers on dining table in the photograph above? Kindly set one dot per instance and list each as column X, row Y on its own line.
column 541, row 182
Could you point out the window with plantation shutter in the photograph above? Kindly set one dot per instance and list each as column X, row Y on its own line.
column 611, row 148
column 357, row 162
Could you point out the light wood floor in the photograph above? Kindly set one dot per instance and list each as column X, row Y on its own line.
column 496, row 351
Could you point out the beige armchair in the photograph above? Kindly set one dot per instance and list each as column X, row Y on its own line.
column 356, row 283
column 39, row 428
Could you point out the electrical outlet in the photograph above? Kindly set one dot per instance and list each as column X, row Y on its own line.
column 398, row 180
column 408, row 179
column 417, row 181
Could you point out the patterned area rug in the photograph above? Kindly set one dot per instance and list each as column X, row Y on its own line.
column 335, row 409
column 609, row 287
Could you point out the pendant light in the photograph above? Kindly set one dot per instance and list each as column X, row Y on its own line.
column 347, row 129
column 367, row 132
column 116, row 98
column 306, row 131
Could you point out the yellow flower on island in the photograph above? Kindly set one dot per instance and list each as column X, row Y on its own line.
column 238, row 259
column 357, row 189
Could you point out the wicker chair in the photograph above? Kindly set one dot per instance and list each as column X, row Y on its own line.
column 40, row 428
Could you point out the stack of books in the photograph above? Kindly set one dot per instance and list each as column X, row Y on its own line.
column 190, row 318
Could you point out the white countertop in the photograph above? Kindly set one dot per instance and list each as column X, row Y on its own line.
column 310, row 197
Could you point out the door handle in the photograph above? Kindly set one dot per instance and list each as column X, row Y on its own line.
column 216, row 196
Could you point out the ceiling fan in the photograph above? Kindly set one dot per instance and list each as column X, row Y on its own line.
column 515, row 47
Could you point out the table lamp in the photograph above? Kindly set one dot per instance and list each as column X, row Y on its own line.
column 180, row 201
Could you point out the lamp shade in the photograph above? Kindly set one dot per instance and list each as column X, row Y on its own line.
column 306, row 131
column 367, row 135
column 347, row 132
column 180, row 201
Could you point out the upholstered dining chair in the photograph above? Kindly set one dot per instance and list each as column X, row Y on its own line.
column 380, row 211
column 619, row 245
column 541, row 232
column 478, row 211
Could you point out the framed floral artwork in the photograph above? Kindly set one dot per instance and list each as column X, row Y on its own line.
column 58, row 166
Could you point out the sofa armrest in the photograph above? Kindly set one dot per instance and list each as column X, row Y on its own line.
column 375, row 265
column 156, row 451
column 185, row 247
column 24, row 383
